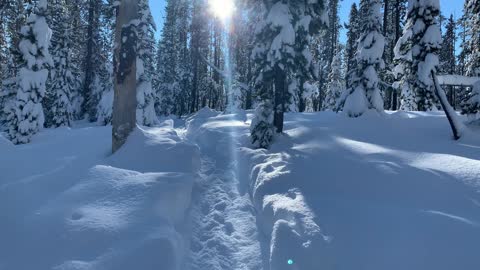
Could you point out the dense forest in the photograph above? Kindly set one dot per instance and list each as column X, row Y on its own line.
column 57, row 60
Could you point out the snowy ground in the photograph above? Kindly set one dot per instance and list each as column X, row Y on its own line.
column 373, row 193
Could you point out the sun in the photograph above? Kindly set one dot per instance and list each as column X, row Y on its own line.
column 222, row 9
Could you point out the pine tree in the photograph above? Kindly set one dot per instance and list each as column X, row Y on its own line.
column 471, row 47
column 104, row 108
column 353, row 28
column 95, row 62
column 64, row 85
column 145, row 65
column 26, row 116
column 200, row 46
column 78, row 47
column 183, row 66
column 472, row 13
column 279, row 54
column 364, row 93
column 335, row 86
column 167, row 62
column 416, row 55
column 448, row 56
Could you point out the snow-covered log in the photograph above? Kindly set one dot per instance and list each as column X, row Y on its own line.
column 457, row 80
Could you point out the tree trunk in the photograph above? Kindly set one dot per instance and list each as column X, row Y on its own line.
column 452, row 117
column 125, row 100
column 279, row 99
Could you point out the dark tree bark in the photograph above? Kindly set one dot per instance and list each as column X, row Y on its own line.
column 125, row 100
column 280, row 88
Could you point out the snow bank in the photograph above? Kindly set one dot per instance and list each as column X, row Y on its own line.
column 76, row 207
column 332, row 194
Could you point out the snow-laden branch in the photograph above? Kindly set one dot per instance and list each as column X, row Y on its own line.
column 457, row 80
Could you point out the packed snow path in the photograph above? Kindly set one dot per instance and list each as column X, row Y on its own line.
column 225, row 235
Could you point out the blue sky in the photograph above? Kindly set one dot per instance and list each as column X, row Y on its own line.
column 448, row 7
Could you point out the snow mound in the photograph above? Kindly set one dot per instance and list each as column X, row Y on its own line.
column 146, row 144
column 78, row 208
column 127, row 213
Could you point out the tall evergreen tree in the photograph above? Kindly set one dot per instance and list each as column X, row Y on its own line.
column 448, row 56
column 64, row 81
column 417, row 53
column 145, row 65
column 472, row 13
column 364, row 94
column 353, row 28
column 278, row 58
column 471, row 47
column 200, row 48
column 167, row 62
column 26, row 116
column 95, row 63
column 335, row 86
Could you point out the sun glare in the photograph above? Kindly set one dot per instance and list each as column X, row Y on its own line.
column 223, row 9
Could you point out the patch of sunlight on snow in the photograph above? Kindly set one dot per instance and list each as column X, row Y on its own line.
column 460, row 167
column 362, row 148
column 224, row 124
column 453, row 217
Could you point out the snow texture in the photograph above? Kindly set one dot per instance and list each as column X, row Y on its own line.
column 194, row 194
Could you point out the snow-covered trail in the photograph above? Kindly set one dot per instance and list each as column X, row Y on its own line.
column 224, row 229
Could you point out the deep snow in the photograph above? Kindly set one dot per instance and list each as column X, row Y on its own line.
column 377, row 192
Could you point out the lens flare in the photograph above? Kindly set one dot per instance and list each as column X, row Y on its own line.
column 223, row 9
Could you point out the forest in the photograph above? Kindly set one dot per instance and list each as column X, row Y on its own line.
column 239, row 134
column 57, row 61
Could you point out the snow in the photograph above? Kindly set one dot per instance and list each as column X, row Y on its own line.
column 457, row 80
column 391, row 192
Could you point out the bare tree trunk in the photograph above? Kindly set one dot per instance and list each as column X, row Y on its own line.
column 125, row 100
column 452, row 117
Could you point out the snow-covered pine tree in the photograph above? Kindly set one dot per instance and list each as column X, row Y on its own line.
column 364, row 94
column 64, row 84
column 145, row 65
column 308, row 23
column 472, row 13
column 448, row 56
column 95, row 61
column 278, row 58
column 104, row 108
column 184, row 64
column 471, row 46
column 416, row 55
column 26, row 116
column 335, row 85
column 167, row 62
column 200, row 45
column 353, row 28
column 77, row 47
